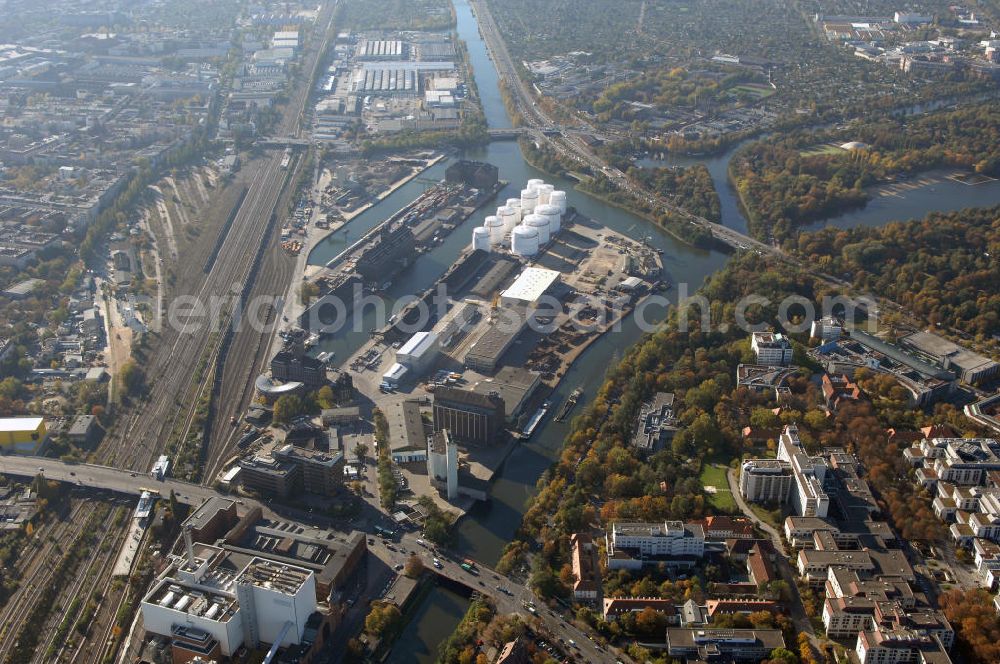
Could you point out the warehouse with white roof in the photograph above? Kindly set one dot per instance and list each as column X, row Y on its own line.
column 529, row 286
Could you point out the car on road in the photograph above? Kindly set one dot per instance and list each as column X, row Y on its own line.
column 398, row 566
column 437, row 564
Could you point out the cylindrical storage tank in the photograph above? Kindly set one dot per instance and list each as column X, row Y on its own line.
column 550, row 212
column 535, row 184
column 529, row 199
column 524, row 241
column 494, row 225
column 515, row 204
column 508, row 216
column 540, row 224
column 480, row 238
column 558, row 198
column 544, row 192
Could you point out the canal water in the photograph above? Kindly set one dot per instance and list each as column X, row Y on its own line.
column 431, row 625
column 887, row 203
column 484, row 532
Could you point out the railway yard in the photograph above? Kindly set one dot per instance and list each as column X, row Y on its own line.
column 69, row 566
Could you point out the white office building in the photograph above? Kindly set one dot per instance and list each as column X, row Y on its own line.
column 808, row 496
column 631, row 545
column 766, row 480
column 771, row 348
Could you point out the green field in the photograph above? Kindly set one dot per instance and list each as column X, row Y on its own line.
column 826, row 148
column 722, row 499
column 758, row 91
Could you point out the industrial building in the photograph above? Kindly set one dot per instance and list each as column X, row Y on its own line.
column 967, row 365
column 394, row 249
column 211, row 602
column 471, row 418
column 22, row 435
column 529, row 287
column 293, row 365
column 476, row 174
column 515, row 385
column 380, row 49
column 419, row 352
column 442, row 462
column 485, row 354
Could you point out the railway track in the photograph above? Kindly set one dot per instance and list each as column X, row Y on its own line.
column 171, row 375
column 84, row 584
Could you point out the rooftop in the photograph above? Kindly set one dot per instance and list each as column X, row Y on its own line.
column 531, row 284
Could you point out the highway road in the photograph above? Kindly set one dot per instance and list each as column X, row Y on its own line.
column 487, row 582
column 104, row 477
column 567, row 140
column 512, row 599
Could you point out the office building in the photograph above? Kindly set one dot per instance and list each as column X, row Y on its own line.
column 293, row 365
column 826, row 329
column 808, row 497
column 771, row 348
column 632, row 545
column 470, row 417
column 708, row 644
column 766, row 480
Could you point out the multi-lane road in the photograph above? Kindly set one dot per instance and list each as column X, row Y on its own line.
column 567, row 141
column 514, row 598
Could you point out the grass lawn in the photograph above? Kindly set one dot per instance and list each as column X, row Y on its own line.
column 712, row 475
column 826, row 148
column 760, row 92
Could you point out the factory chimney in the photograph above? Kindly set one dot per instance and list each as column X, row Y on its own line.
column 189, row 545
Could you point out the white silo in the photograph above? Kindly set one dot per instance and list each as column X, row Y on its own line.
column 515, row 204
column 535, row 184
column 508, row 216
column 544, row 192
column 494, row 225
column 524, row 241
column 550, row 212
column 480, row 238
column 540, row 224
column 558, row 198
column 529, row 199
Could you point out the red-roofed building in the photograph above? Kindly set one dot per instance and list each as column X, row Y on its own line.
column 586, row 569
column 721, row 528
column 617, row 606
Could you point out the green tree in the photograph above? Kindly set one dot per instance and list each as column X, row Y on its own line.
column 287, row 407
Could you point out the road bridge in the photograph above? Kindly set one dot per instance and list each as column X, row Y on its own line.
column 92, row 476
